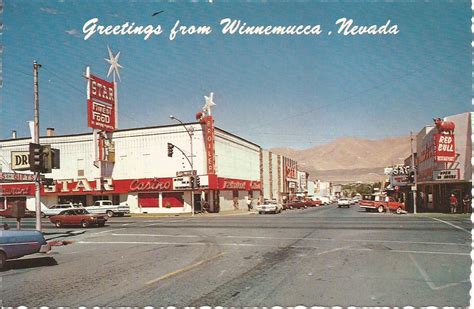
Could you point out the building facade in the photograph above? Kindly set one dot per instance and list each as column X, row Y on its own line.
column 438, row 173
column 140, row 173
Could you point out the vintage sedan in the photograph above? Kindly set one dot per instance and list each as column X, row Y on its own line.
column 78, row 216
column 270, row 206
column 344, row 201
column 15, row 244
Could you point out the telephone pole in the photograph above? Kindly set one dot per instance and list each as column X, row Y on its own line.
column 414, row 170
column 36, row 141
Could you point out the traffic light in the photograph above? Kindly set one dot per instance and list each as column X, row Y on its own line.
column 191, row 181
column 46, row 156
column 35, row 159
column 170, row 149
column 198, row 182
column 55, row 158
column 48, row 181
column 411, row 177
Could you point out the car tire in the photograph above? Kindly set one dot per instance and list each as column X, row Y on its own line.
column 43, row 215
column 58, row 224
column 101, row 224
column 399, row 210
column 110, row 213
column 85, row 224
column 380, row 209
column 3, row 260
column 259, row 212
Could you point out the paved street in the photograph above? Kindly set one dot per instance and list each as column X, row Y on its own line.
column 320, row 256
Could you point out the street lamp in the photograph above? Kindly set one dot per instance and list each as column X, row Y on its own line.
column 190, row 131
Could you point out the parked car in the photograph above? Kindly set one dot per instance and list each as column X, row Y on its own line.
column 325, row 200
column 15, row 244
column 78, row 216
column 296, row 204
column 313, row 203
column 381, row 203
column 344, row 201
column 269, row 206
column 107, row 207
column 57, row 208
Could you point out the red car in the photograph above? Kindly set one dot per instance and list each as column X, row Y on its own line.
column 78, row 216
column 311, row 203
column 296, row 204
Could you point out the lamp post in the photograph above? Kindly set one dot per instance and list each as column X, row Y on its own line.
column 190, row 133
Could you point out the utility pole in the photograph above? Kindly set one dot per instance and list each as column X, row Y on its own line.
column 414, row 170
column 36, row 141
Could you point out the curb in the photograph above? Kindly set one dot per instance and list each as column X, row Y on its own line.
column 219, row 214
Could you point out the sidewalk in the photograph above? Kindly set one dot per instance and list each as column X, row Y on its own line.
column 237, row 212
column 441, row 215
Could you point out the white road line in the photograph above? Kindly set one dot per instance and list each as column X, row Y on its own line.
column 453, row 225
column 333, row 250
column 259, row 245
column 296, row 238
column 428, row 279
column 107, row 231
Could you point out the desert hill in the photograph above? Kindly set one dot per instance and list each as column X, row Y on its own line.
column 350, row 159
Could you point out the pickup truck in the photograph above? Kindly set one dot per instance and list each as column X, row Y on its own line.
column 381, row 204
column 106, row 207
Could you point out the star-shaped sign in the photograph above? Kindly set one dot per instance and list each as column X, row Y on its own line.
column 114, row 65
column 209, row 103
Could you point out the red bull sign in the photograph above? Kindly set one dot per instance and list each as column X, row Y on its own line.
column 445, row 150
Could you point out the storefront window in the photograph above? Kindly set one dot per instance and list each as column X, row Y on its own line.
column 148, row 200
column 174, row 199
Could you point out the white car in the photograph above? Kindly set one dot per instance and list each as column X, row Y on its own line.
column 270, row 206
column 56, row 209
column 344, row 201
column 325, row 200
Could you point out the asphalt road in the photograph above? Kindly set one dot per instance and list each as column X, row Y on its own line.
column 324, row 256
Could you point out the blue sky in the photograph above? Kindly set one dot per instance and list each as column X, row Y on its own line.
column 290, row 91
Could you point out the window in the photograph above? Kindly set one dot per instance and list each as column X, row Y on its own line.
column 173, row 199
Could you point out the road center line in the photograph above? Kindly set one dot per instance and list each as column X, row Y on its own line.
column 296, row 238
column 184, row 269
column 453, row 225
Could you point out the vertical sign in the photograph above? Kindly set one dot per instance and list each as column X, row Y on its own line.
column 101, row 104
column 210, row 144
column 445, row 148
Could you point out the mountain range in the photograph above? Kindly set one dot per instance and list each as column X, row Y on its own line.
column 350, row 159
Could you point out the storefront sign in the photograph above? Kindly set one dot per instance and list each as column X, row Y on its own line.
column 16, row 177
column 155, row 184
column 255, row 185
column 101, row 90
column 100, row 116
column 238, row 184
column 446, row 174
column 81, row 185
column 19, row 161
column 210, row 144
column 101, row 104
column 186, row 173
column 182, row 183
column 445, row 148
column 290, row 169
column 17, row 190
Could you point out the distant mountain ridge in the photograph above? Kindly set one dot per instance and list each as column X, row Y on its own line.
column 350, row 159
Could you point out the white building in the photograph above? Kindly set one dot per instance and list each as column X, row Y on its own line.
column 140, row 173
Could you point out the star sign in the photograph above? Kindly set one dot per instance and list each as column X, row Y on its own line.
column 114, row 65
column 209, row 103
